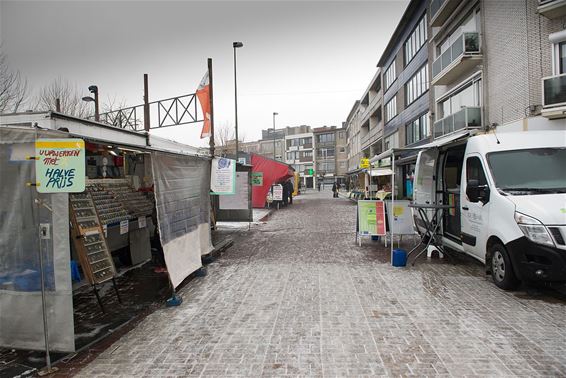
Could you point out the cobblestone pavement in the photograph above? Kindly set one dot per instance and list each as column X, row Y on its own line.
column 295, row 296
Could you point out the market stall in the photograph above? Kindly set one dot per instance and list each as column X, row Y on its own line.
column 137, row 188
column 267, row 172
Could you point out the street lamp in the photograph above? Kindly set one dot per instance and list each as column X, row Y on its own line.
column 93, row 89
column 236, row 45
column 274, row 114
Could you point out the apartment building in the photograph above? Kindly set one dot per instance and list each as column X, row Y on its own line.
column 353, row 143
column 299, row 153
column 341, row 155
column 405, row 76
column 371, row 117
column 331, row 158
column 272, row 144
column 496, row 62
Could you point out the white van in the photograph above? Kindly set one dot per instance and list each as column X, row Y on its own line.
column 509, row 193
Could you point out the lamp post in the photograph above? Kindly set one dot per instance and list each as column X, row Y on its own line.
column 236, row 45
column 274, row 114
column 94, row 90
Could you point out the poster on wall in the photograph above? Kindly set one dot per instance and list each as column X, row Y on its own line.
column 223, row 176
column 257, row 178
column 371, row 217
column 401, row 218
column 60, row 165
column 239, row 200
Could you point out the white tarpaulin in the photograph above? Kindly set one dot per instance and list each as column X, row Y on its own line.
column 182, row 198
column 21, row 321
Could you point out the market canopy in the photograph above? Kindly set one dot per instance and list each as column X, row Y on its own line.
column 272, row 172
column 434, row 144
column 381, row 172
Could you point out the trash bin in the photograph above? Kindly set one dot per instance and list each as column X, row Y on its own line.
column 399, row 257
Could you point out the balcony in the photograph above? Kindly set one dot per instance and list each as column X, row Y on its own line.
column 460, row 57
column 554, row 96
column 552, row 9
column 468, row 117
column 440, row 10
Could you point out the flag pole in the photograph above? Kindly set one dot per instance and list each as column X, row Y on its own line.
column 211, row 95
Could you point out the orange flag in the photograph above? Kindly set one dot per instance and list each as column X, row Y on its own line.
column 203, row 94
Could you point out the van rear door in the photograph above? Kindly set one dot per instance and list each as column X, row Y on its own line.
column 424, row 191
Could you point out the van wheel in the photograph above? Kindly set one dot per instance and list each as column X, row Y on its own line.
column 501, row 269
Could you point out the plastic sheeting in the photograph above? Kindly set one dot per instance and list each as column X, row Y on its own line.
column 182, row 196
column 273, row 172
column 21, row 321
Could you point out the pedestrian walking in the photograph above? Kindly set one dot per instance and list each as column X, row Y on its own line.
column 334, row 191
column 318, row 184
column 285, row 193
column 290, row 190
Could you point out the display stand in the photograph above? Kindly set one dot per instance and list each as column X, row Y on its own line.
column 90, row 243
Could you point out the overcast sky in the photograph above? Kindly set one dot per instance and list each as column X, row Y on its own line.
column 307, row 60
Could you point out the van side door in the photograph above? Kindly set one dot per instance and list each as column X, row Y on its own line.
column 474, row 206
column 424, row 187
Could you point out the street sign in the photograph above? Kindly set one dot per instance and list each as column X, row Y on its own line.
column 60, row 165
column 364, row 163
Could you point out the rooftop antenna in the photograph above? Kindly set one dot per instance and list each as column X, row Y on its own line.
column 493, row 126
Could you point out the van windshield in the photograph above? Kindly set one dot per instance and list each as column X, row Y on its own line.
column 530, row 171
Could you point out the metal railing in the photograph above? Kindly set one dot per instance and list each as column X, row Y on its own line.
column 163, row 113
column 466, row 43
column 468, row 117
column 554, row 91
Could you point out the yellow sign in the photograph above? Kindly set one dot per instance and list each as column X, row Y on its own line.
column 364, row 163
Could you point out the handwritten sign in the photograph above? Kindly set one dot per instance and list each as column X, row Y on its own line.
column 60, row 165
column 277, row 192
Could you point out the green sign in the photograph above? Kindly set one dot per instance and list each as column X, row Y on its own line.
column 310, row 171
column 257, row 178
column 60, row 165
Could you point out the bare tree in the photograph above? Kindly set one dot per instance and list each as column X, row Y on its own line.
column 223, row 134
column 69, row 95
column 13, row 89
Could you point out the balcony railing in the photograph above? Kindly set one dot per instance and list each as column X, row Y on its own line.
column 467, row 43
column 468, row 117
column 554, row 91
column 435, row 6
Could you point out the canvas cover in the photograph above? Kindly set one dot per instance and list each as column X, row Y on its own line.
column 21, row 321
column 273, row 172
column 182, row 197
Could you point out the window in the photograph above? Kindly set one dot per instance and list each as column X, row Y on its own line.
column 340, row 135
column 392, row 141
column 325, row 153
column 417, row 130
column 391, row 109
column 474, row 171
column 306, row 154
column 416, row 40
column 304, row 141
column 562, row 58
column 468, row 96
column 342, row 164
column 325, row 138
column 417, row 85
column 390, row 75
column 342, row 149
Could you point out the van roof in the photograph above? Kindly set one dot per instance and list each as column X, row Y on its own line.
column 488, row 142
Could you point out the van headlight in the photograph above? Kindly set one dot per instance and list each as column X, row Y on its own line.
column 534, row 230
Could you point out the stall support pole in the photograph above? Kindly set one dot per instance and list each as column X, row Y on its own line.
column 116, row 290
column 95, row 289
column 49, row 369
column 392, row 200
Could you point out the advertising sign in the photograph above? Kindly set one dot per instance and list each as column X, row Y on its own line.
column 401, row 218
column 371, row 217
column 364, row 163
column 60, row 165
column 223, row 176
column 277, row 192
column 257, row 178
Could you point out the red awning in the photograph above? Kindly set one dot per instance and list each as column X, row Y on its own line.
column 273, row 172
